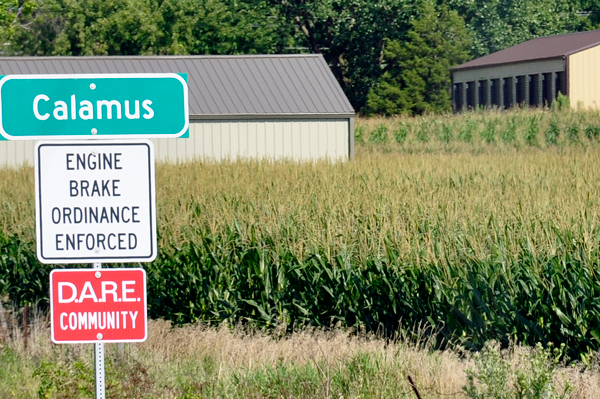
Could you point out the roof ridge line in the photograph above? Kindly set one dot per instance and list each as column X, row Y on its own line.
column 506, row 63
column 154, row 56
column 581, row 49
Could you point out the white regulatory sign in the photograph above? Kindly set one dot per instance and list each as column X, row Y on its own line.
column 95, row 201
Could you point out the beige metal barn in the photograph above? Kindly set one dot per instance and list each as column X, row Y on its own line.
column 241, row 107
column 532, row 74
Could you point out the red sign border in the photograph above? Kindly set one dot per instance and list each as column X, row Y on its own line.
column 98, row 341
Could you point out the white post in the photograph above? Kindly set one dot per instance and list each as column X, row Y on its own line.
column 99, row 361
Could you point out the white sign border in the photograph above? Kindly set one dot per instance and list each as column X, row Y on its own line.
column 99, row 258
column 186, row 126
column 100, row 340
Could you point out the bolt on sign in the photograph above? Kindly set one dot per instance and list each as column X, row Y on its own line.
column 98, row 305
column 83, row 106
column 95, row 201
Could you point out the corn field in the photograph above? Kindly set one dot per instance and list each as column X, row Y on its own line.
column 480, row 130
column 483, row 225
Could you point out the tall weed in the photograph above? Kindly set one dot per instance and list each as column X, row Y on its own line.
column 401, row 133
column 423, row 131
column 379, row 135
column 445, row 133
column 573, row 133
column 552, row 134
column 509, row 134
column 466, row 131
column 488, row 134
column 592, row 132
column 530, row 135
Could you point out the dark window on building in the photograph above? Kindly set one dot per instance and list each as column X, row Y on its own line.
column 506, row 92
column 454, row 98
column 561, row 84
column 547, row 95
column 522, row 86
column 532, row 91
column 470, row 92
column 496, row 92
column 459, row 100
column 483, row 92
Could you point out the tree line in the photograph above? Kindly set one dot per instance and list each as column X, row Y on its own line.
column 389, row 56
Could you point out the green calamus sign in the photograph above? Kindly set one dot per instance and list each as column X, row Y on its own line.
column 81, row 106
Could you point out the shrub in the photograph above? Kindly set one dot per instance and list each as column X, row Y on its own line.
column 592, row 132
column 562, row 103
column 530, row 134
column 445, row 132
column 573, row 133
column 359, row 134
column 423, row 131
column 401, row 133
column 466, row 133
column 379, row 135
column 494, row 377
column 509, row 135
column 488, row 134
column 551, row 136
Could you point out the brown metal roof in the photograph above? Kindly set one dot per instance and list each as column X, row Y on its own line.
column 220, row 86
column 541, row 48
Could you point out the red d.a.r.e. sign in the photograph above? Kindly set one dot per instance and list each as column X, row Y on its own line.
column 98, row 305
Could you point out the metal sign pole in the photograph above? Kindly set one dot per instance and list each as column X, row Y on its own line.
column 99, row 360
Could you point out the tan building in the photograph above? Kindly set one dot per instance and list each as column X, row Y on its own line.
column 532, row 74
column 241, row 107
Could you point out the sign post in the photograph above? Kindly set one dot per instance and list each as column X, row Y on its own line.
column 95, row 199
column 98, row 305
column 99, row 361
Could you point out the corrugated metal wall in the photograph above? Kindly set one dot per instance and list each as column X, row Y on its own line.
column 299, row 139
column 584, row 78
column 16, row 153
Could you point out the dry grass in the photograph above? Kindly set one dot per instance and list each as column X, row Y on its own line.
column 172, row 357
column 205, row 361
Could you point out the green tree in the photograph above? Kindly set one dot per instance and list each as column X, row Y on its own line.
column 132, row 27
column 590, row 11
column 417, row 77
column 12, row 13
column 498, row 24
column 351, row 35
